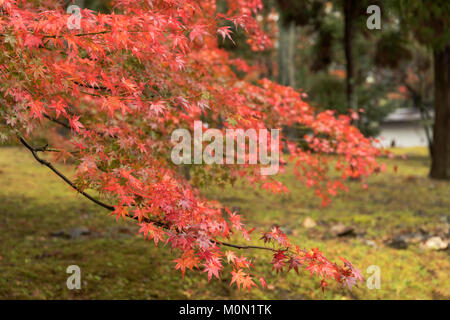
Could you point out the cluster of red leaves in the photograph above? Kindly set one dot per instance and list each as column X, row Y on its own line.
column 293, row 258
column 126, row 80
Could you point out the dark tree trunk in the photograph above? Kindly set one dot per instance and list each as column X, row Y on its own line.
column 440, row 166
column 349, row 15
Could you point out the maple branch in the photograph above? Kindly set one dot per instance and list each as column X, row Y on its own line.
column 89, row 34
column 92, row 94
column 91, row 86
column 35, row 150
column 77, row 35
column 65, row 125
column 242, row 247
column 45, row 148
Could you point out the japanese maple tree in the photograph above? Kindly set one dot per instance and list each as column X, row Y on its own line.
column 124, row 81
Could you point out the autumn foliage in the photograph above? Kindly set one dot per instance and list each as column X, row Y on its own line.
column 124, row 81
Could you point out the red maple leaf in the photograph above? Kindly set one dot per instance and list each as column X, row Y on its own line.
column 212, row 267
column 75, row 124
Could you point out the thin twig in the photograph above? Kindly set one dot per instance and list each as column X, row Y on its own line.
column 77, row 35
column 242, row 247
column 91, row 86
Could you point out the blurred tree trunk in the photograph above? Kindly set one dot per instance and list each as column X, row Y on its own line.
column 426, row 118
column 349, row 16
column 429, row 21
column 286, row 54
column 440, row 166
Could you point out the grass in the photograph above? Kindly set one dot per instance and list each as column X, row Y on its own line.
column 117, row 264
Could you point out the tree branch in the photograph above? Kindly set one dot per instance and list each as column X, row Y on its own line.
column 91, row 86
column 242, row 247
column 65, row 125
column 77, row 35
column 34, row 151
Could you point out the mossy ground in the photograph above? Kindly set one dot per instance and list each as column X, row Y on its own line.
column 118, row 264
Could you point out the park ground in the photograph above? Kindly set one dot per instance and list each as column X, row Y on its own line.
column 45, row 227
